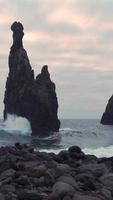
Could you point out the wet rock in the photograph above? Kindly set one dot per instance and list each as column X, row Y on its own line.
column 75, row 152
column 18, row 146
column 64, row 155
column 74, row 149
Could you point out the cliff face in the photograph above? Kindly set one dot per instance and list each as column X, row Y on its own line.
column 107, row 118
column 25, row 96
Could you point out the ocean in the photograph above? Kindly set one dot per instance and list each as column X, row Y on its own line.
column 89, row 134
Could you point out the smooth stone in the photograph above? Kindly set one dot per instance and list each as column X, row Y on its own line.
column 64, row 155
column 69, row 180
column 96, row 169
column 61, row 189
column 62, row 169
column 38, row 171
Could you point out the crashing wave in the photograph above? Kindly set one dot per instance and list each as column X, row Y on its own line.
column 15, row 124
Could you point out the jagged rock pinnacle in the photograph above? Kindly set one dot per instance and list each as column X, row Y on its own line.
column 18, row 34
column 34, row 99
column 107, row 117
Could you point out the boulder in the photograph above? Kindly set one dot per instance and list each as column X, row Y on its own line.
column 107, row 181
column 96, row 170
column 61, row 189
column 74, row 149
column 106, row 193
column 62, row 169
column 6, row 174
column 87, row 181
column 37, row 171
column 69, row 180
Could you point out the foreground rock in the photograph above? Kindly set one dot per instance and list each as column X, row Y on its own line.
column 107, row 117
column 29, row 175
column 34, row 99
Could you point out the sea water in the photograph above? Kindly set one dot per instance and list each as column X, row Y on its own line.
column 88, row 134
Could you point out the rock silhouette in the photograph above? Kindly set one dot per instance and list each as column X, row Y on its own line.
column 34, row 99
column 107, row 117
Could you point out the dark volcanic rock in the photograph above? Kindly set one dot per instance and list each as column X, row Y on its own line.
column 34, row 99
column 46, row 179
column 107, row 117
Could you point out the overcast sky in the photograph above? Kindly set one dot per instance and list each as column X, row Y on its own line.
column 75, row 39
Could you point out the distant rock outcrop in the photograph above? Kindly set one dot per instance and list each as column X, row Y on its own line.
column 107, row 118
column 34, row 99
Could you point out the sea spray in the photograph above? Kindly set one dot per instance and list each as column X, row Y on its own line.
column 89, row 135
column 100, row 152
column 15, row 124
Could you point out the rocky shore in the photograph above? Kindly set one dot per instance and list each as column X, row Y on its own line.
column 26, row 174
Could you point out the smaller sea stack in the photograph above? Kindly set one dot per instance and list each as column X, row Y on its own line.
column 107, row 118
column 34, row 99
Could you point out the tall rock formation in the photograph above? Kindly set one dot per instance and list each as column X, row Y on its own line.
column 107, row 117
column 34, row 99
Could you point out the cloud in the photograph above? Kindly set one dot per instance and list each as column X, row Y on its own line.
column 74, row 37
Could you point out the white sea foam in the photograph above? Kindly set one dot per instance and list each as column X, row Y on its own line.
column 56, row 151
column 15, row 124
column 66, row 129
column 100, row 152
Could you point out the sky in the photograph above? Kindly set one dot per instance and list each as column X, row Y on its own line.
column 75, row 39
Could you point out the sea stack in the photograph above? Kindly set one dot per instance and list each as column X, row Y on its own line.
column 34, row 99
column 107, row 117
